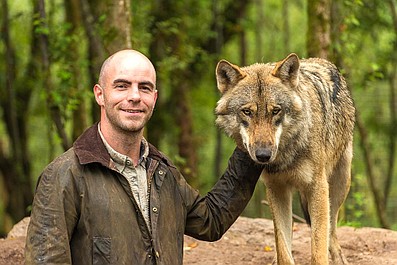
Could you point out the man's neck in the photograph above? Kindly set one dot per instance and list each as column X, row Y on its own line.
column 126, row 143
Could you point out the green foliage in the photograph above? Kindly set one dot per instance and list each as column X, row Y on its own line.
column 67, row 92
column 356, row 203
column 368, row 46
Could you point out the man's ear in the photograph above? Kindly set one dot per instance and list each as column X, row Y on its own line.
column 98, row 92
column 227, row 75
column 288, row 70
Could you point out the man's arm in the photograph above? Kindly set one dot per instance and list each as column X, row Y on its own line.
column 211, row 216
column 53, row 218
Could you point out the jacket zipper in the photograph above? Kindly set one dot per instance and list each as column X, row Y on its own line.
column 151, row 165
column 138, row 209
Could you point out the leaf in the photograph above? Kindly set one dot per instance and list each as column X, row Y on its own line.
column 190, row 246
column 268, row 249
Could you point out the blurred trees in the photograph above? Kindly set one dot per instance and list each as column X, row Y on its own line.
column 329, row 22
column 369, row 38
column 14, row 98
column 52, row 51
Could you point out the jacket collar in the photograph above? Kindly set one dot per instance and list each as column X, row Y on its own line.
column 89, row 148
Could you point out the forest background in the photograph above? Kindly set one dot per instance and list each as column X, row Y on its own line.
column 51, row 52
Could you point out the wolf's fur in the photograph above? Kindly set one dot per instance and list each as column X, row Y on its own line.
column 296, row 117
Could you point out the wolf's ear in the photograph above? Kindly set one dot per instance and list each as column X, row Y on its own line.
column 227, row 75
column 288, row 70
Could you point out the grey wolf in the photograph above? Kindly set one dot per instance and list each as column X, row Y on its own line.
column 296, row 117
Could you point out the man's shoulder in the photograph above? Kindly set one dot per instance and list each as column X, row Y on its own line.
column 61, row 171
column 65, row 160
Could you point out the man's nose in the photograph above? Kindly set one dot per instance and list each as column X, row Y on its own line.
column 133, row 94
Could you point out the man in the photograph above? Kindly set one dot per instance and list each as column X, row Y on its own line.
column 115, row 199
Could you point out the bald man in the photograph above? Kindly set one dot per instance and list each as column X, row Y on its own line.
column 113, row 198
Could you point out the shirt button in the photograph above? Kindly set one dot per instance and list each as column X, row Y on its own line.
column 128, row 162
column 161, row 172
column 155, row 209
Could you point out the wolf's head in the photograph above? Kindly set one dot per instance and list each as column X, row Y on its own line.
column 259, row 105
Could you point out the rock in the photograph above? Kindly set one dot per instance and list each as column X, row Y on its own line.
column 20, row 229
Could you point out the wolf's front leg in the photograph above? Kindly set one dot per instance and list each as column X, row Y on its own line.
column 318, row 199
column 280, row 200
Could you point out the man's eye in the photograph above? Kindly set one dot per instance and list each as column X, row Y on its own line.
column 146, row 89
column 120, row 86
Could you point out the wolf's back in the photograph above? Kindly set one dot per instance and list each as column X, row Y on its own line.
column 324, row 85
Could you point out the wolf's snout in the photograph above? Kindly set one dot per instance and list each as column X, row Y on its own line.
column 263, row 154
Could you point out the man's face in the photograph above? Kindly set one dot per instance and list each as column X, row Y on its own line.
column 129, row 94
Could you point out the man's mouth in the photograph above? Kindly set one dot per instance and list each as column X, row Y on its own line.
column 132, row 110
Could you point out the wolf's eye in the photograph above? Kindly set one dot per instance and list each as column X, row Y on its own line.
column 247, row 112
column 276, row 111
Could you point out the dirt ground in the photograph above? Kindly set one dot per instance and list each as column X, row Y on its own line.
column 251, row 241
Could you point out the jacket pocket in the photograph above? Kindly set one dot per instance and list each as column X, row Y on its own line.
column 101, row 250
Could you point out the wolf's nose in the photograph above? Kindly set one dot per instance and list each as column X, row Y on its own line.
column 263, row 154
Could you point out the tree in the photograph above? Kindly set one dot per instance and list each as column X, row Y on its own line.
column 74, row 75
column 14, row 97
column 108, row 28
column 345, row 26
column 393, row 107
column 184, row 61
column 318, row 37
column 169, row 31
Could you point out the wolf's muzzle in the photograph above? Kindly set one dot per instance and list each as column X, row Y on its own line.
column 263, row 155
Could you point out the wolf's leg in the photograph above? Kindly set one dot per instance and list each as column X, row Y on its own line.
column 339, row 187
column 280, row 200
column 318, row 202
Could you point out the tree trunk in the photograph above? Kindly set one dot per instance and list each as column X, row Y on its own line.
column 336, row 32
column 73, row 18
column 186, row 140
column 180, row 85
column 105, row 40
column 96, row 50
column 231, row 14
column 54, row 110
column 115, row 28
column 14, row 157
column 318, row 38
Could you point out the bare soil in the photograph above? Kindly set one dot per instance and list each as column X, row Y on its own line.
column 251, row 241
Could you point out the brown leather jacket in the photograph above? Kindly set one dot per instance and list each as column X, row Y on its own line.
column 84, row 212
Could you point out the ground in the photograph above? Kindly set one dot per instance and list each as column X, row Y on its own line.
column 250, row 242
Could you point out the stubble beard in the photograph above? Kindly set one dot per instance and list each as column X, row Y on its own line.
column 126, row 125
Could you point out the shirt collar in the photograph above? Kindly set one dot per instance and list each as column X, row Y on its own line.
column 124, row 160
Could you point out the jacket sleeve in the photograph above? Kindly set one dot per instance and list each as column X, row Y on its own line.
column 209, row 217
column 54, row 216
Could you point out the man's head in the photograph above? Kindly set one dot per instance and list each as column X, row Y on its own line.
column 126, row 91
